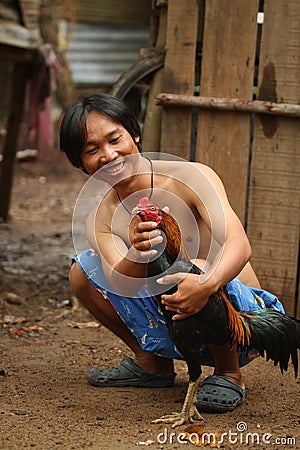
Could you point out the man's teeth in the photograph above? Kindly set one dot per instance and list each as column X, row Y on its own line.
column 114, row 168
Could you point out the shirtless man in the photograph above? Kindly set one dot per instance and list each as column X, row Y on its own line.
column 100, row 136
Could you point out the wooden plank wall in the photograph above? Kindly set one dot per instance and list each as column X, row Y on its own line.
column 258, row 159
column 179, row 74
column 227, row 70
column 273, row 221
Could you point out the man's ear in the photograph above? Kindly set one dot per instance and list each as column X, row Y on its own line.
column 137, row 141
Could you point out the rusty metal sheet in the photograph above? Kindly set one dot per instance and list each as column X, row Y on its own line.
column 19, row 23
column 17, row 36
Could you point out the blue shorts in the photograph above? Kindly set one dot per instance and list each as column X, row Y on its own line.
column 145, row 320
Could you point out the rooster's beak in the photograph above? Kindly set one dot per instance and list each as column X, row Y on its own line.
column 136, row 210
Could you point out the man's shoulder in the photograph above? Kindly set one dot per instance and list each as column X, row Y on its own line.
column 173, row 167
column 206, row 170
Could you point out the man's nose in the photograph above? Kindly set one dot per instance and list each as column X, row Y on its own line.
column 108, row 154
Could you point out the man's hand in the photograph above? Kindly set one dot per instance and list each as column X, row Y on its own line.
column 144, row 236
column 191, row 295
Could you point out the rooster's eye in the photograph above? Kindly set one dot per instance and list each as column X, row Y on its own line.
column 152, row 208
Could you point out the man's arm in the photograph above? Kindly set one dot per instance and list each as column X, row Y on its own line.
column 235, row 251
column 124, row 267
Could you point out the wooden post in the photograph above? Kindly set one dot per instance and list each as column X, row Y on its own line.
column 152, row 123
column 179, row 74
column 273, row 221
column 227, row 70
column 229, row 104
column 18, row 89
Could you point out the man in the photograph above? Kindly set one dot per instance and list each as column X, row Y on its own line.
column 100, row 136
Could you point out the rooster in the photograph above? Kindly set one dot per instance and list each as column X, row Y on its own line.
column 268, row 331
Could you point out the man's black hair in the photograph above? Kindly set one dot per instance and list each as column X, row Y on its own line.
column 73, row 133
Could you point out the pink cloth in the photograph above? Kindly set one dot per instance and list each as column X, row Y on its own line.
column 42, row 84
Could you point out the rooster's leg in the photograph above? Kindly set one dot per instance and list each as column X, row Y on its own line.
column 189, row 410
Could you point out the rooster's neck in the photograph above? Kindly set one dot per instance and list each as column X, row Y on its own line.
column 162, row 263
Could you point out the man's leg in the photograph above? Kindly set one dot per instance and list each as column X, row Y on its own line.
column 227, row 363
column 224, row 390
column 106, row 314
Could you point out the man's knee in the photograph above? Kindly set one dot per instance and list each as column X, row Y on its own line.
column 77, row 278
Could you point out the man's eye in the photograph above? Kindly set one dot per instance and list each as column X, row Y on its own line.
column 115, row 140
column 91, row 151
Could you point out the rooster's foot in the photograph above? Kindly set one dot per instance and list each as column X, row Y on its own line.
column 180, row 418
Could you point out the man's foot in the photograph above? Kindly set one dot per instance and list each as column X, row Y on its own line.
column 151, row 363
column 129, row 374
column 234, row 377
column 220, row 394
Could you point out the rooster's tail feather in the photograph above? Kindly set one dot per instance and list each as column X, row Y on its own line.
column 238, row 328
column 275, row 336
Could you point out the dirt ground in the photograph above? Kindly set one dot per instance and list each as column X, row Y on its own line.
column 48, row 342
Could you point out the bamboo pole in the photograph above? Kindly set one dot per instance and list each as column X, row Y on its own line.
column 229, row 104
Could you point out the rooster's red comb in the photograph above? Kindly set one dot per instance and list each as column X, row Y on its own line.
column 144, row 201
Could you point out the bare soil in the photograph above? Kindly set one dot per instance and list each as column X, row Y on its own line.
column 48, row 342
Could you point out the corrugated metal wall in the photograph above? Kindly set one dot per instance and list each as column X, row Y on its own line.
column 106, row 38
column 98, row 54
column 113, row 12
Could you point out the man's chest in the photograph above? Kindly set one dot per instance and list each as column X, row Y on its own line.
column 194, row 234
